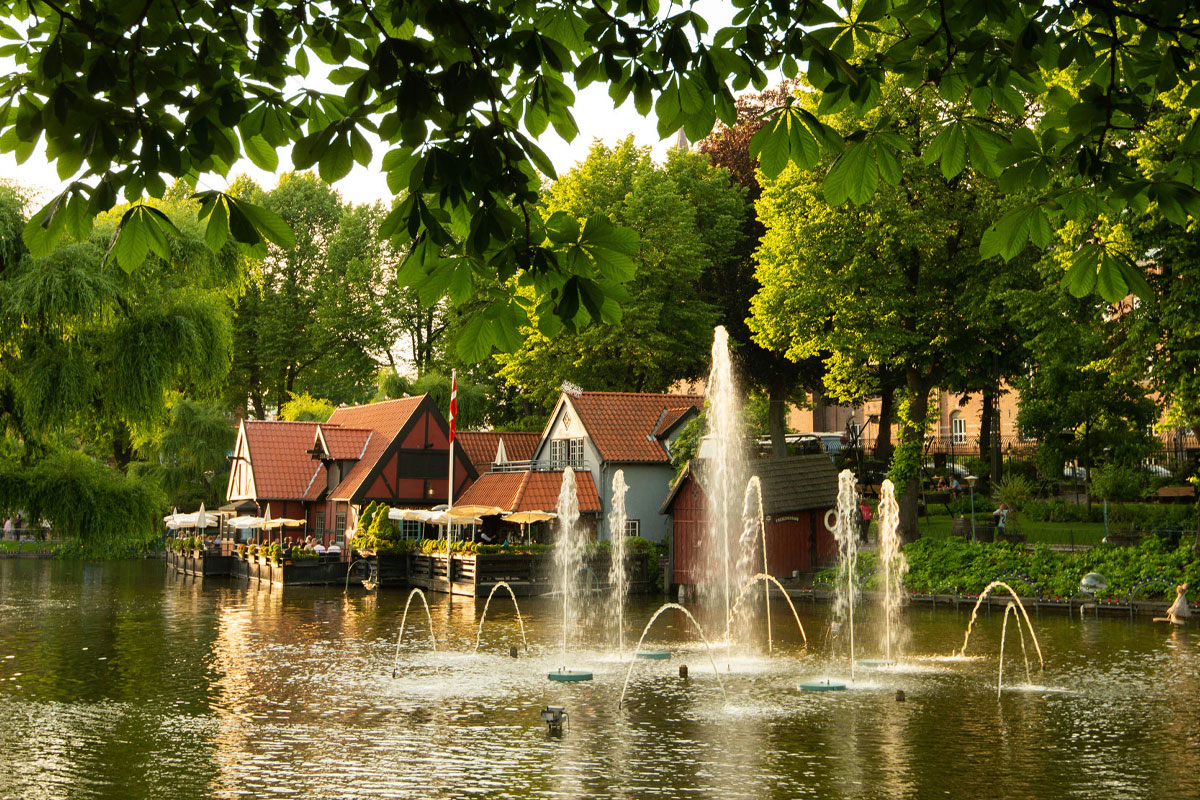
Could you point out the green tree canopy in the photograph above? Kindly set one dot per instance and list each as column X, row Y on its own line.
column 93, row 356
column 662, row 331
column 892, row 286
column 131, row 96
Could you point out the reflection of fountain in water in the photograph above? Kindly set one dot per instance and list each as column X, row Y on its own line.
column 646, row 630
column 846, row 533
column 1011, row 610
column 618, row 570
column 975, row 612
column 723, row 451
column 893, row 566
column 404, row 621
column 520, row 622
column 568, row 557
column 766, row 581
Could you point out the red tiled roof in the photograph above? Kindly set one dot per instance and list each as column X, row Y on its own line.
column 345, row 444
column 623, row 425
column 669, row 418
column 279, row 457
column 385, row 419
column 529, row 491
column 480, row 446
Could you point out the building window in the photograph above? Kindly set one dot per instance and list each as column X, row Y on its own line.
column 854, row 428
column 339, row 525
column 566, row 453
column 410, row 529
column 958, row 428
column 633, row 527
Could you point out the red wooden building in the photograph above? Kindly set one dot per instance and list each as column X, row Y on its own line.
column 396, row 452
column 797, row 492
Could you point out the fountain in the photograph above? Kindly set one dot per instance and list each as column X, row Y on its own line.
column 754, row 531
column 725, row 464
column 845, row 531
column 699, row 629
column 618, row 570
column 520, row 622
column 893, row 566
column 1011, row 610
column 404, row 620
column 568, row 563
column 767, row 580
column 975, row 612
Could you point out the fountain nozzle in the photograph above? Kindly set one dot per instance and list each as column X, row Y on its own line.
column 554, row 717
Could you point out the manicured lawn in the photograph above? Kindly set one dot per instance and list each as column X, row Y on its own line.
column 938, row 526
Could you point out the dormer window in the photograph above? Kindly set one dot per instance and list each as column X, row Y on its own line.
column 566, row 453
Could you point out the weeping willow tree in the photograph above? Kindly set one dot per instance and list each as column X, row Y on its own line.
column 90, row 356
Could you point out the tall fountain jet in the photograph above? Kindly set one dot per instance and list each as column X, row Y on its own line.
column 846, row 533
column 725, row 475
column 568, row 557
column 893, row 567
column 618, row 570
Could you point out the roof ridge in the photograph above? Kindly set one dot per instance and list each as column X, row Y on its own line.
column 643, row 394
column 383, row 402
column 291, row 422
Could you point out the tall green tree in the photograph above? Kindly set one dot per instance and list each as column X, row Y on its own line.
column 893, row 284
column 732, row 283
column 664, row 330
column 93, row 355
column 320, row 316
column 129, row 96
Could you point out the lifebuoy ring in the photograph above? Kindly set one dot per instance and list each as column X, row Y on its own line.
column 831, row 513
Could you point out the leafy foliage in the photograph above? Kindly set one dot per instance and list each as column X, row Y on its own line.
column 306, row 408
column 954, row 565
column 129, row 97
column 660, row 334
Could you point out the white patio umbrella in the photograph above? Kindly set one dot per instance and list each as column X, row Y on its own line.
column 523, row 518
column 201, row 519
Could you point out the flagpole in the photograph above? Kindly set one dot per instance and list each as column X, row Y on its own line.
column 450, row 485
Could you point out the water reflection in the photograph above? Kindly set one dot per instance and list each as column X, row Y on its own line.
column 120, row 681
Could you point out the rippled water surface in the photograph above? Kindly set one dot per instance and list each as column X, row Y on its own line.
column 119, row 680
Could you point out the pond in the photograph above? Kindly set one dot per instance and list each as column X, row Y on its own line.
column 119, row 680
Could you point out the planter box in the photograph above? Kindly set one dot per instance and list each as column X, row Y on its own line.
column 528, row 574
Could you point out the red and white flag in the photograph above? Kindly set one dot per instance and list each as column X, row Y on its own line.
column 453, row 403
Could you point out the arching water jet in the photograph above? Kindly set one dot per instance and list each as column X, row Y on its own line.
column 403, row 622
column 975, row 612
column 767, row 580
column 520, row 622
column 646, row 630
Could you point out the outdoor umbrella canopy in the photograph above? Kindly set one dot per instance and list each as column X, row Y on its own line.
column 201, row 518
column 244, row 522
column 523, row 518
column 461, row 513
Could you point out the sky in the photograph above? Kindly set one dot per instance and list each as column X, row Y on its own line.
column 595, row 115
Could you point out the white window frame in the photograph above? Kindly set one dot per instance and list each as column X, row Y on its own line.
column 958, row 428
column 633, row 527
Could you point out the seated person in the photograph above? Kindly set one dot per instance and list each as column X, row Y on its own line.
column 955, row 486
column 941, row 484
column 318, row 548
column 487, row 538
column 333, row 549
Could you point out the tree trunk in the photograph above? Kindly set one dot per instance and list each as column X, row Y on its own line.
column 883, row 436
column 997, row 470
column 913, row 431
column 777, row 394
column 989, row 409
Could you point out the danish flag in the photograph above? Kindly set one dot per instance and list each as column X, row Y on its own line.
column 453, row 404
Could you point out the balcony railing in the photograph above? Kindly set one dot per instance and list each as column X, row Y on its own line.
column 541, row 465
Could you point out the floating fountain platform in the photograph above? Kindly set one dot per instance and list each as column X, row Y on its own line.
column 875, row 663
column 822, row 686
column 653, row 655
column 569, row 676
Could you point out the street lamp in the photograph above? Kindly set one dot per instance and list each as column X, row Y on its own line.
column 971, row 483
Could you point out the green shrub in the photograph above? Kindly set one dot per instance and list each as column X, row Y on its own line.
column 1113, row 482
